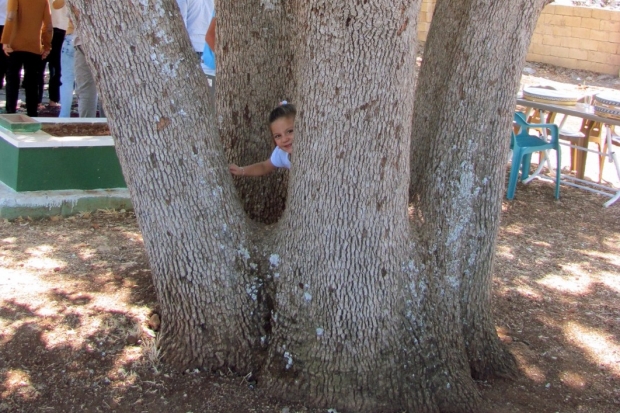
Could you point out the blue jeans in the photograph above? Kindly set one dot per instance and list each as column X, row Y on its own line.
column 67, row 78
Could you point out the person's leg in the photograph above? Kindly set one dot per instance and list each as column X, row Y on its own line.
column 67, row 78
column 55, row 66
column 32, row 68
column 13, row 78
column 3, row 61
column 40, row 79
column 85, row 86
column 100, row 109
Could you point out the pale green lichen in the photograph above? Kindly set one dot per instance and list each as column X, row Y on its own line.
column 274, row 260
column 289, row 360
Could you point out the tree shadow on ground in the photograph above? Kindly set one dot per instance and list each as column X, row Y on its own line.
column 75, row 298
column 75, row 291
column 63, row 360
column 99, row 253
column 92, row 365
column 556, row 295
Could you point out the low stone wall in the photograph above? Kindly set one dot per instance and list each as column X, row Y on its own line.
column 39, row 161
column 567, row 36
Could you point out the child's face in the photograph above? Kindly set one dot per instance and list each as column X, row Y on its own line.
column 282, row 132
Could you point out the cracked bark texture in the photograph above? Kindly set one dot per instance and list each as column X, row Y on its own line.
column 368, row 310
column 465, row 99
column 256, row 62
column 155, row 96
column 343, row 244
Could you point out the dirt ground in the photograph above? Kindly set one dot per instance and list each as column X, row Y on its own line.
column 77, row 332
column 76, row 300
column 76, row 129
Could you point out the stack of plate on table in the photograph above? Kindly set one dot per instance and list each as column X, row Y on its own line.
column 550, row 96
column 607, row 104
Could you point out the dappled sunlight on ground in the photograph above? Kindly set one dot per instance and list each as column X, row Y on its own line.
column 505, row 252
column 610, row 280
column 572, row 284
column 77, row 337
column 17, row 382
column 573, row 379
column 71, row 305
column 528, row 292
column 531, row 370
column 580, row 279
column 557, row 299
column 601, row 347
column 610, row 257
column 13, row 280
column 76, row 296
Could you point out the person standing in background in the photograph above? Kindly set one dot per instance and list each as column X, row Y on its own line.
column 196, row 16
column 208, row 56
column 2, row 55
column 67, row 77
column 26, row 39
column 60, row 21
column 85, row 86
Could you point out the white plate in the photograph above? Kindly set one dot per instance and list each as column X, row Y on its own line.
column 549, row 94
column 608, row 98
column 607, row 112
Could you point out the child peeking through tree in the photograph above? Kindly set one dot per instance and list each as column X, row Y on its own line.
column 282, row 126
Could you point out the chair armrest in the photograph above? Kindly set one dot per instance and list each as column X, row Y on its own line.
column 553, row 128
column 542, row 125
column 519, row 119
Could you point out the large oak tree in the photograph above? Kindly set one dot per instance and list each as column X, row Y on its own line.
column 371, row 293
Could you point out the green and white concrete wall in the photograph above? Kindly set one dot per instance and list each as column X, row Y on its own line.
column 38, row 161
column 43, row 175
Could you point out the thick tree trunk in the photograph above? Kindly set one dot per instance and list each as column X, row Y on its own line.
column 195, row 232
column 465, row 98
column 352, row 307
column 255, row 72
column 341, row 252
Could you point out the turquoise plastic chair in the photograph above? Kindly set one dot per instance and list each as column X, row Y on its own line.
column 523, row 145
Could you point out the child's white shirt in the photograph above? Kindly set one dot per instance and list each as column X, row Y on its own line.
column 279, row 159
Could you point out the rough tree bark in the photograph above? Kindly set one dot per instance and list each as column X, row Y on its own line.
column 255, row 72
column 343, row 244
column 194, row 228
column 465, row 98
column 344, row 303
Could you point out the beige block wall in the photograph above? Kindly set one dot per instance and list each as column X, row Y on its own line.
column 424, row 22
column 567, row 36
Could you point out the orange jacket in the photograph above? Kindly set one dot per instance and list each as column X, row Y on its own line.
column 28, row 26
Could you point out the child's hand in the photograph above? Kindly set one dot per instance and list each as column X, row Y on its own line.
column 236, row 170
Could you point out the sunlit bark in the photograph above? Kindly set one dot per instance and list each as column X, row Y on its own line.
column 465, row 98
column 347, row 302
